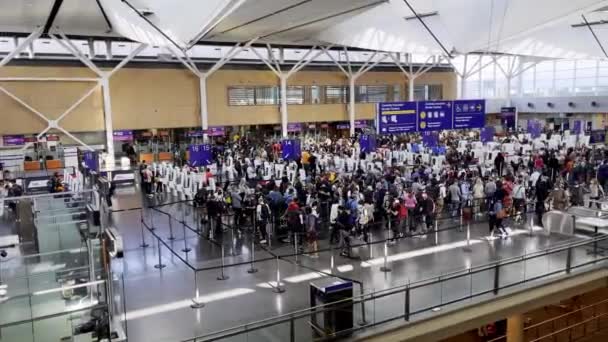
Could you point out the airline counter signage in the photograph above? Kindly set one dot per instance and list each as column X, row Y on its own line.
column 507, row 117
column 291, row 149
column 13, row 140
column 435, row 115
column 123, row 135
column 200, row 155
column 396, row 117
column 469, row 114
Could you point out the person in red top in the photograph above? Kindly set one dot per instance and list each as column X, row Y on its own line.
column 402, row 218
column 208, row 175
column 276, row 150
column 538, row 162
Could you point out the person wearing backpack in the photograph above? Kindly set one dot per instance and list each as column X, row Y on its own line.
column 263, row 217
column 311, row 232
column 496, row 214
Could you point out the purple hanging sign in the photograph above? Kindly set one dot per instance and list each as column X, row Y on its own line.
column 430, row 139
column 294, row 127
column 487, row 134
column 123, row 135
column 13, row 140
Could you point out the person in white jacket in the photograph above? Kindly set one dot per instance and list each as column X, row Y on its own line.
column 333, row 215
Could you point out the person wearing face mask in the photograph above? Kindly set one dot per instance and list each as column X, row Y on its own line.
column 558, row 198
column 595, row 193
column 427, row 208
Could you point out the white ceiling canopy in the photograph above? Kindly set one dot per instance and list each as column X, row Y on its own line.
column 504, row 26
column 544, row 28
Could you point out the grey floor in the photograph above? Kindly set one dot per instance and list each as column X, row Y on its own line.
column 158, row 301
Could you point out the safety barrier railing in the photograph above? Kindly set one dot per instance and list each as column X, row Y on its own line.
column 556, row 327
column 401, row 299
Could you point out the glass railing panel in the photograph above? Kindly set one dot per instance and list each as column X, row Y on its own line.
column 18, row 333
column 278, row 332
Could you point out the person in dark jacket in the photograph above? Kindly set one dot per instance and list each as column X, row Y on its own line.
column 499, row 163
column 344, row 227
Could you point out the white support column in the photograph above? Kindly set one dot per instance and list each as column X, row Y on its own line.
column 20, row 47
column 202, row 81
column 202, row 87
column 107, row 109
column 411, row 75
column 463, row 79
column 351, row 107
column 284, row 77
column 352, row 79
column 284, row 115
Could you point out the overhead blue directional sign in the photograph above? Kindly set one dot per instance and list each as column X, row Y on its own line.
column 469, row 114
column 435, row 115
column 396, row 117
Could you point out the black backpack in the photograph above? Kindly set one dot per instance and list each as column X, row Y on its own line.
column 265, row 214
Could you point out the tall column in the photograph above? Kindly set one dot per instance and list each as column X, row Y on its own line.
column 107, row 109
column 509, row 79
column 284, row 116
column 463, row 87
column 410, row 86
column 515, row 328
column 202, row 87
column 351, row 107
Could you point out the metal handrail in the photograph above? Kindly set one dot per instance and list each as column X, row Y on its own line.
column 387, row 292
column 595, row 317
column 553, row 319
column 565, row 315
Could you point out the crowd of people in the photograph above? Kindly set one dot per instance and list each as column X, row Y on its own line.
column 337, row 189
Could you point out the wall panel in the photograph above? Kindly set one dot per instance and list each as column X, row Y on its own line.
column 50, row 98
column 154, row 98
column 168, row 98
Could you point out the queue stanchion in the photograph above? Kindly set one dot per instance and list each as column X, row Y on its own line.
column 370, row 250
column 436, row 234
column 222, row 275
column 278, row 288
column 196, row 304
column 186, row 249
column 160, row 264
column 531, row 230
column 141, row 224
column 252, row 254
column 389, row 239
column 331, row 259
column 363, row 320
column 385, row 268
column 467, row 248
column 460, row 225
column 295, row 247
column 151, row 211
column 171, row 237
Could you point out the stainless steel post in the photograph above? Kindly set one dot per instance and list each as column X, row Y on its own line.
column 385, row 268
column 160, row 264
column 468, row 246
column 196, row 304
column 436, row 234
column 295, row 246
column 186, row 249
column 252, row 255
column 278, row 288
column 363, row 320
column 141, row 225
column 171, row 237
column 222, row 275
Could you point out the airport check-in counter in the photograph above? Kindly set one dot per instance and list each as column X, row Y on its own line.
column 336, row 317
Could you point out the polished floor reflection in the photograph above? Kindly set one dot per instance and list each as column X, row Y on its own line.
column 158, row 301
